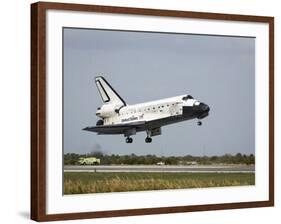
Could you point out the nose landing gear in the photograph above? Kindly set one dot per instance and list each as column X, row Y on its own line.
column 199, row 123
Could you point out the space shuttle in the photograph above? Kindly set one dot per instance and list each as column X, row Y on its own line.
column 117, row 117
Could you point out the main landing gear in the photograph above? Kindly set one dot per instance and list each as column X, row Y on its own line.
column 129, row 133
column 148, row 139
column 129, row 140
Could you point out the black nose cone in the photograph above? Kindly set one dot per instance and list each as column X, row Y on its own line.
column 197, row 111
column 204, row 107
column 203, row 110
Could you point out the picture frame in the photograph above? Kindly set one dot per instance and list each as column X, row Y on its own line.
column 41, row 86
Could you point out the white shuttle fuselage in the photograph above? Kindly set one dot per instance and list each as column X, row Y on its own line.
column 116, row 117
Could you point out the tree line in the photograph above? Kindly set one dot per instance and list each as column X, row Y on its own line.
column 132, row 159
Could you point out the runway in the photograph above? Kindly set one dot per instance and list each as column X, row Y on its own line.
column 165, row 168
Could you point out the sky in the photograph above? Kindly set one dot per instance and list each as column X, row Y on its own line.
column 145, row 66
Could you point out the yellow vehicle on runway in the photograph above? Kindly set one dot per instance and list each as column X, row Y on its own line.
column 89, row 161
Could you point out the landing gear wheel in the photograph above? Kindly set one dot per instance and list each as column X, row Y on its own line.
column 199, row 123
column 148, row 139
column 129, row 140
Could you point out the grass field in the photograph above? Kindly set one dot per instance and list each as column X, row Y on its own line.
column 90, row 182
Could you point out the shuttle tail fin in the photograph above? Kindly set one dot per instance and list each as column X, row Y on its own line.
column 107, row 93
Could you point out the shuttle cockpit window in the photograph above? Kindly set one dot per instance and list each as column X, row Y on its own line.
column 187, row 97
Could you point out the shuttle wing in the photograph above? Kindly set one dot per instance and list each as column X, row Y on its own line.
column 138, row 126
column 117, row 128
